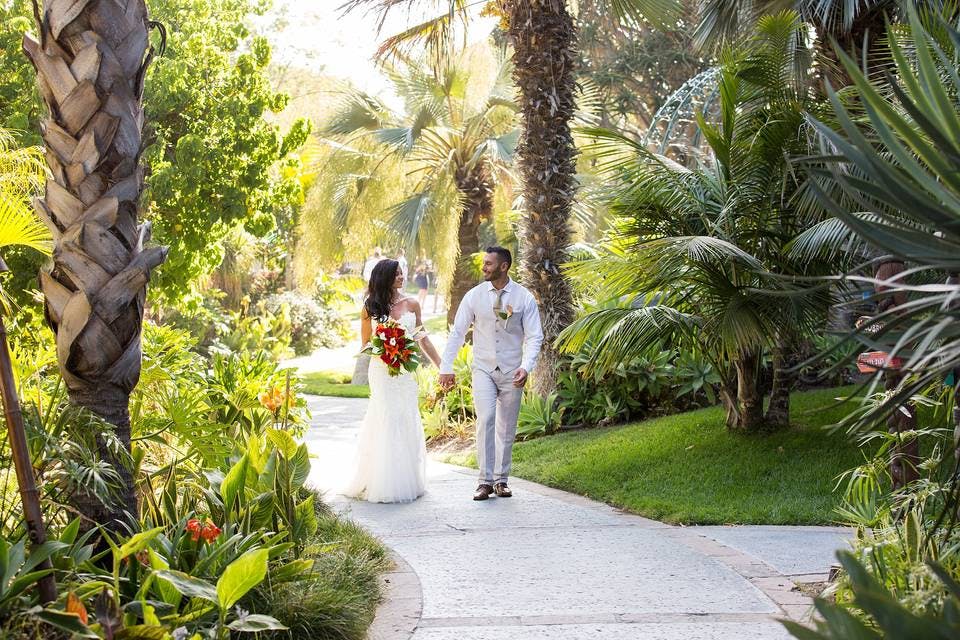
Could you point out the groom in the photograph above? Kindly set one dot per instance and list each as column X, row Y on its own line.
column 506, row 343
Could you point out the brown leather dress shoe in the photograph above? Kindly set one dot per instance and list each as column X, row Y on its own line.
column 483, row 492
column 502, row 490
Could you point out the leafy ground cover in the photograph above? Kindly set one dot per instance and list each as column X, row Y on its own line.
column 688, row 468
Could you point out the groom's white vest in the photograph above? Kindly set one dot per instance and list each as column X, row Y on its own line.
column 504, row 343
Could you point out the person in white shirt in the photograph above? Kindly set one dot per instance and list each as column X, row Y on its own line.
column 507, row 335
column 371, row 263
column 402, row 260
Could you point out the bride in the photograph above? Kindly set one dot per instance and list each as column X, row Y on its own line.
column 391, row 452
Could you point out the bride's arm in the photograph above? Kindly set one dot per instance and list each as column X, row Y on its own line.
column 366, row 327
column 424, row 342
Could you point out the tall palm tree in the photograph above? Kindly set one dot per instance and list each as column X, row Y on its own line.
column 693, row 257
column 450, row 139
column 543, row 36
column 91, row 61
column 544, row 39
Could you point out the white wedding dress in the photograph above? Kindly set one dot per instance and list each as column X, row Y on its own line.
column 391, row 454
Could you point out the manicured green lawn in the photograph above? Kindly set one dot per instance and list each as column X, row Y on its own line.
column 332, row 383
column 688, row 469
column 436, row 325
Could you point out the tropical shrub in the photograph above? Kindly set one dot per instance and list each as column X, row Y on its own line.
column 692, row 257
column 539, row 416
column 659, row 382
column 222, row 493
column 448, row 414
column 312, row 326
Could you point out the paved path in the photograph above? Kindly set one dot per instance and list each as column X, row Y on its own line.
column 549, row 564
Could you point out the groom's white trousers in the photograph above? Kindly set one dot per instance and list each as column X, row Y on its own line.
column 497, row 403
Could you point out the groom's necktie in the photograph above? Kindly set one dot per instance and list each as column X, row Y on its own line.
column 498, row 305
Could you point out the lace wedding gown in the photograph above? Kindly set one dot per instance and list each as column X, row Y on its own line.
column 391, row 451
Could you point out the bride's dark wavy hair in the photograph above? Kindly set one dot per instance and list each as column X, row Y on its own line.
column 380, row 289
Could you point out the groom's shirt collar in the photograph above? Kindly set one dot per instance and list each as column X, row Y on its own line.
column 506, row 287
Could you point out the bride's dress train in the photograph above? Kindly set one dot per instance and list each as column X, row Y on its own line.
column 391, row 453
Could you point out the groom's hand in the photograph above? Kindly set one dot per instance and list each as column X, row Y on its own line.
column 520, row 377
column 447, row 381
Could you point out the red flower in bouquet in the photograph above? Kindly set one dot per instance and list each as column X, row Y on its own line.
column 398, row 351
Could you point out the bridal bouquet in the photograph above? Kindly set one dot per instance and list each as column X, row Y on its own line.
column 394, row 347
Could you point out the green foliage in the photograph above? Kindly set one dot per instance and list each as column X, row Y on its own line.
column 452, row 140
column 20, row 105
column 202, row 407
column 19, row 572
column 448, row 414
column 212, row 152
column 331, row 599
column 635, row 66
column 539, row 416
column 21, row 173
column 312, row 326
column 891, row 181
column 893, row 620
column 692, row 257
column 659, row 381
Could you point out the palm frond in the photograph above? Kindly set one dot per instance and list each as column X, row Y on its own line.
column 359, row 112
column 19, row 225
column 619, row 334
column 437, row 35
column 21, row 175
column 660, row 13
column 408, row 216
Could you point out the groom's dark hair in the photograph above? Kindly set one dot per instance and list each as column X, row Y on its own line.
column 503, row 254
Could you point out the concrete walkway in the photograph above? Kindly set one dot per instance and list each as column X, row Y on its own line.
column 549, row 564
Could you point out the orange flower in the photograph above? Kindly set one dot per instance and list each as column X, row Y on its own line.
column 275, row 398
column 210, row 531
column 75, row 606
column 194, row 527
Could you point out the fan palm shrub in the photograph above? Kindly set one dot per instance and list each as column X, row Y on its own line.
column 451, row 140
column 698, row 257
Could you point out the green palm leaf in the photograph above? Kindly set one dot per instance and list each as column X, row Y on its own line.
column 19, row 225
column 21, row 174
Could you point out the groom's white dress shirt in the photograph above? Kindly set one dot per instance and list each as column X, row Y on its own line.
column 497, row 343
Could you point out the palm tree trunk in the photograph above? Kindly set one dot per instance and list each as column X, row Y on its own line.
column 476, row 190
column 778, row 410
column 544, row 40
column 748, row 416
column 91, row 61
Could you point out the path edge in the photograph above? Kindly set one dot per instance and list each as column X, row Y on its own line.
column 401, row 602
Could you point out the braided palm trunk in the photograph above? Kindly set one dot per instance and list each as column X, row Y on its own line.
column 544, row 37
column 91, row 61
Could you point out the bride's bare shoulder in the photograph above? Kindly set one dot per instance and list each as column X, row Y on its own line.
column 412, row 304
